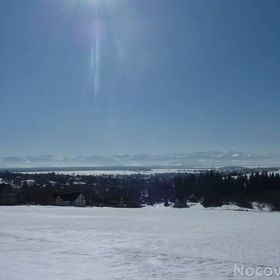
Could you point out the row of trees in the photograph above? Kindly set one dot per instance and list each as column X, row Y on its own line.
column 210, row 188
column 216, row 189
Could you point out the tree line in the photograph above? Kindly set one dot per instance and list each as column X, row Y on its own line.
column 210, row 188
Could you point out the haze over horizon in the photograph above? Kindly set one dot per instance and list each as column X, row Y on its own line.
column 174, row 160
column 105, row 77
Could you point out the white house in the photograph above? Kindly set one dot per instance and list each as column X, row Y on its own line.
column 71, row 199
column 30, row 182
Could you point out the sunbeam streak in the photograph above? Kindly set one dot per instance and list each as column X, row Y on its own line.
column 95, row 54
column 95, row 63
column 94, row 30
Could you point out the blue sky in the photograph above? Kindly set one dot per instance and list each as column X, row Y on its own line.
column 82, row 77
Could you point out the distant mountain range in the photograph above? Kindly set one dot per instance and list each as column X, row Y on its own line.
column 178, row 160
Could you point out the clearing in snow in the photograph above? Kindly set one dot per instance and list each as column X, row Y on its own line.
column 62, row 243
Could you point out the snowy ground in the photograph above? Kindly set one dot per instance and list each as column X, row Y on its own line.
column 150, row 243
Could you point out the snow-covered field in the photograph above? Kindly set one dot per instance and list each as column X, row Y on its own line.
column 39, row 242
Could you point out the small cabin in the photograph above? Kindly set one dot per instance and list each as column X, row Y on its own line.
column 193, row 198
column 71, row 199
column 180, row 203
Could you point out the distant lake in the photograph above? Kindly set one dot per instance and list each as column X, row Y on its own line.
column 128, row 170
column 115, row 172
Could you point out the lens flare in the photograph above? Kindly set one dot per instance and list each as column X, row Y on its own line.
column 91, row 32
column 95, row 62
column 95, row 57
